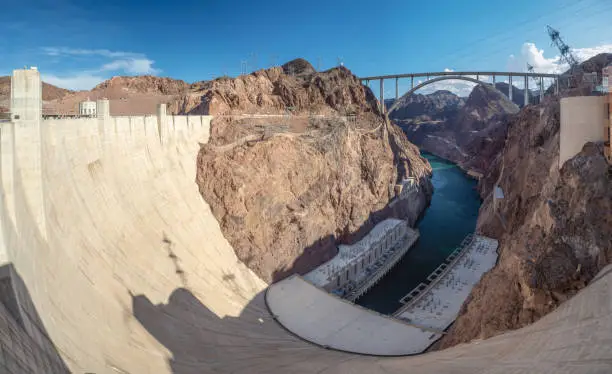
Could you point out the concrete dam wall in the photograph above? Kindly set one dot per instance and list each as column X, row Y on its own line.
column 113, row 263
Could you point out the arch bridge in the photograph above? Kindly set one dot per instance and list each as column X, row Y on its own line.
column 479, row 77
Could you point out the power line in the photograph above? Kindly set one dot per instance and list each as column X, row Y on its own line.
column 596, row 12
column 512, row 31
column 582, row 19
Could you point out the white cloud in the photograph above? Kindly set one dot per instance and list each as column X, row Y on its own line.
column 132, row 66
column 59, row 51
column 458, row 87
column 530, row 54
column 447, row 70
column 107, row 63
column 82, row 81
column 583, row 54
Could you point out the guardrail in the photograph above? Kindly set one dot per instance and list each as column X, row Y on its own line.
column 416, row 292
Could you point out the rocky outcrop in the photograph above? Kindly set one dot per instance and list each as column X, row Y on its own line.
column 287, row 190
column 273, row 91
column 470, row 134
column 117, row 87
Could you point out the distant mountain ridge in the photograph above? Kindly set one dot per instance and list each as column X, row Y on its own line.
column 465, row 131
column 435, row 106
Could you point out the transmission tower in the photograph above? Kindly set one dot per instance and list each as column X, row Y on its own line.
column 253, row 59
column 273, row 59
column 566, row 53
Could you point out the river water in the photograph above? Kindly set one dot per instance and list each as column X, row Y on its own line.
column 450, row 217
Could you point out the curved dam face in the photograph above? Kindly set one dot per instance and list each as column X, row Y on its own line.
column 113, row 263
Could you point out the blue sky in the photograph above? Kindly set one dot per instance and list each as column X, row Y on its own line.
column 76, row 44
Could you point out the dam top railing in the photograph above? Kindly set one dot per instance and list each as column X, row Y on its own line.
column 415, row 294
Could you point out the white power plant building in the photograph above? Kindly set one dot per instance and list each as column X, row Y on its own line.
column 87, row 108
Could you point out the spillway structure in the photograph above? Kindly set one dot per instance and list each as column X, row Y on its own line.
column 112, row 262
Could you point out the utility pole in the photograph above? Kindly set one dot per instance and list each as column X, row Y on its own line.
column 253, row 59
column 538, row 81
column 273, row 60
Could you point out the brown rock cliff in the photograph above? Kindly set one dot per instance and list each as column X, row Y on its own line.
column 287, row 190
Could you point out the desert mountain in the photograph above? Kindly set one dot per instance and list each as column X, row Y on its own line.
column 468, row 132
column 294, row 87
column 128, row 95
column 436, row 106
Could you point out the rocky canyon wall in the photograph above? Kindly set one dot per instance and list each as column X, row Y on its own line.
column 287, row 189
column 469, row 132
column 554, row 227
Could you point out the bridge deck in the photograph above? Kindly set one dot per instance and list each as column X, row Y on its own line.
column 461, row 73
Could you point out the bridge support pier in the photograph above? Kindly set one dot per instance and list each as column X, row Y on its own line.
column 526, row 90
column 493, row 80
column 396, row 88
column 411, row 82
column 510, row 90
column 557, row 86
column 541, row 89
column 382, row 95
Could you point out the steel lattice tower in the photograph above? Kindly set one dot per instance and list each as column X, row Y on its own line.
column 566, row 53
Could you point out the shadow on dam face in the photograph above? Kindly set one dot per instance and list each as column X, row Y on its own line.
column 197, row 338
column 25, row 345
column 199, row 341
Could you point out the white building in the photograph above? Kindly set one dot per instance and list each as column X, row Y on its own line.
column 87, row 108
column 355, row 261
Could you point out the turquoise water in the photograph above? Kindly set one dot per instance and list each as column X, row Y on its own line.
column 450, row 217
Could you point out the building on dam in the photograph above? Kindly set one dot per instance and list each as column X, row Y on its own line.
column 359, row 266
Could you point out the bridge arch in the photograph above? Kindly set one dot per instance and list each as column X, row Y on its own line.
column 438, row 79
